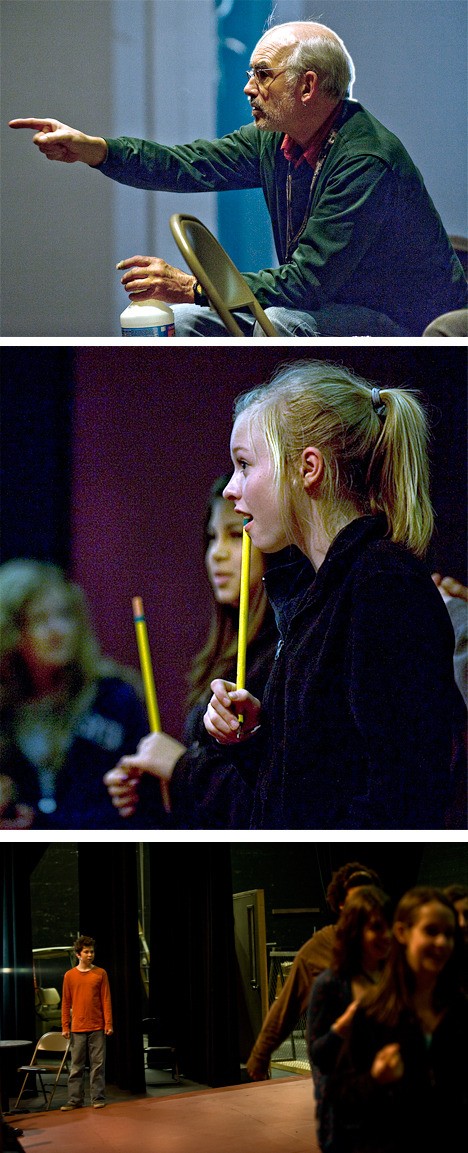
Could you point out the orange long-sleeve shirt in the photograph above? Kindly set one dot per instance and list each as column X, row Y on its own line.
column 86, row 1000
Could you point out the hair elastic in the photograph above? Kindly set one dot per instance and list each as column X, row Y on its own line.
column 378, row 404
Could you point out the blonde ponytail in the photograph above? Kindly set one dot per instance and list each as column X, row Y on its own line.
column 397, row 479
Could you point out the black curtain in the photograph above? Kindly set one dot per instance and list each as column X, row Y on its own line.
column 17, row 1011
column 35, row 452
column 108, row 896
column 193, row 972
column 18, row 1018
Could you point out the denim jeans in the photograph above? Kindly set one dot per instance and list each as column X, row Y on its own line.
column 92, row 1045
column 334, row 320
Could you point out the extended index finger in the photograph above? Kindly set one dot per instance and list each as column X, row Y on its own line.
column 38, row 125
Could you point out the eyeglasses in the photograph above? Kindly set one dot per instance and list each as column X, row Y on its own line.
column 264, row 76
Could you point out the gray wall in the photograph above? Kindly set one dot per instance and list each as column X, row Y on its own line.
column 148, row 67
column 56, row 220
column 109, row 67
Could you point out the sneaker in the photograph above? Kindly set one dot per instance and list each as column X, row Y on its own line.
column 66, row 1108
column 99, row 1104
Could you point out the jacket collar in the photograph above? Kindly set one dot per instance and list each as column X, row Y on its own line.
column 292, row 582
column 293, row 151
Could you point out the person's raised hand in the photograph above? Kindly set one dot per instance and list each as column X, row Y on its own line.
column 450, row 587
column 122, row 786
column 156, row 755
column 388, row 1065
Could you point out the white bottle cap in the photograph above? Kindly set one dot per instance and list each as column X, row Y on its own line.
column 147, row 318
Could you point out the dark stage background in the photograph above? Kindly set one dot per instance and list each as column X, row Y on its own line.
column 49, row 893
column 109, row 453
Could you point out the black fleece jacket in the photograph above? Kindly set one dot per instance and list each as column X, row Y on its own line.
column 358, row 711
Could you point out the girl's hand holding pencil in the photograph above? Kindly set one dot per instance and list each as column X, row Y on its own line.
column 233, row 713
column 122, row 786
column 156, row 754
column 226, row 706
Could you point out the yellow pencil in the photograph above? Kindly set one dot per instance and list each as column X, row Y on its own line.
column 148, row 681
column 243, row 613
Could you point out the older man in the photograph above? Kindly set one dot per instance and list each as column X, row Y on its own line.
column 361, row 248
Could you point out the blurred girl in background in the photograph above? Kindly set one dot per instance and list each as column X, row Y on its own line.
column 66, row 711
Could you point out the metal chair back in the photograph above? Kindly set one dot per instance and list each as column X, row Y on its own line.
column 221, row 281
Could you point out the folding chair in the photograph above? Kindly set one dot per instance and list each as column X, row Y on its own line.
column 221, row 281
column 48, row 1043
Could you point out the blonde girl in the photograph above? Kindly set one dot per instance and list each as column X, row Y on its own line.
column 355, row 726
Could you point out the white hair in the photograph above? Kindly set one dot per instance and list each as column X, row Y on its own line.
column 322, row 52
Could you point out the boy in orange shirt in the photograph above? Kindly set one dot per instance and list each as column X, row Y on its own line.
column 86, row 1000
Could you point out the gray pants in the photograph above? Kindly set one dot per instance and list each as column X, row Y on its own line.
column 334, row 320
column 92, row 1045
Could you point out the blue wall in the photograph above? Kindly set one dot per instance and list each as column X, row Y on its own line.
column 243, row 221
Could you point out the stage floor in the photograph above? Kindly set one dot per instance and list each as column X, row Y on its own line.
column 267, row 1117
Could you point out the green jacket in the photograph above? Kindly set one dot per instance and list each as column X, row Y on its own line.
column 373, row 236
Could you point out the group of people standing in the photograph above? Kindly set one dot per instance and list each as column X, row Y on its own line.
column 387, row 1027
column 387, row 1018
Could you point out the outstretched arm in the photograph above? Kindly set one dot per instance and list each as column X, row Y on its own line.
column 60, row 142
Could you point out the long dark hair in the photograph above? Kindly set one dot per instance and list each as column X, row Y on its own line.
column 216, row 657
column 359, row 907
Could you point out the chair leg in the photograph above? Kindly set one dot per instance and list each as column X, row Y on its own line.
column 64, row 1069
column 43, row 1087
column 37, row 1074
column 52, row 1094
column 175, row 1067
column 20, row 1094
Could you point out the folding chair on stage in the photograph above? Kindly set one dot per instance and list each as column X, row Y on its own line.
column 49, row 1043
